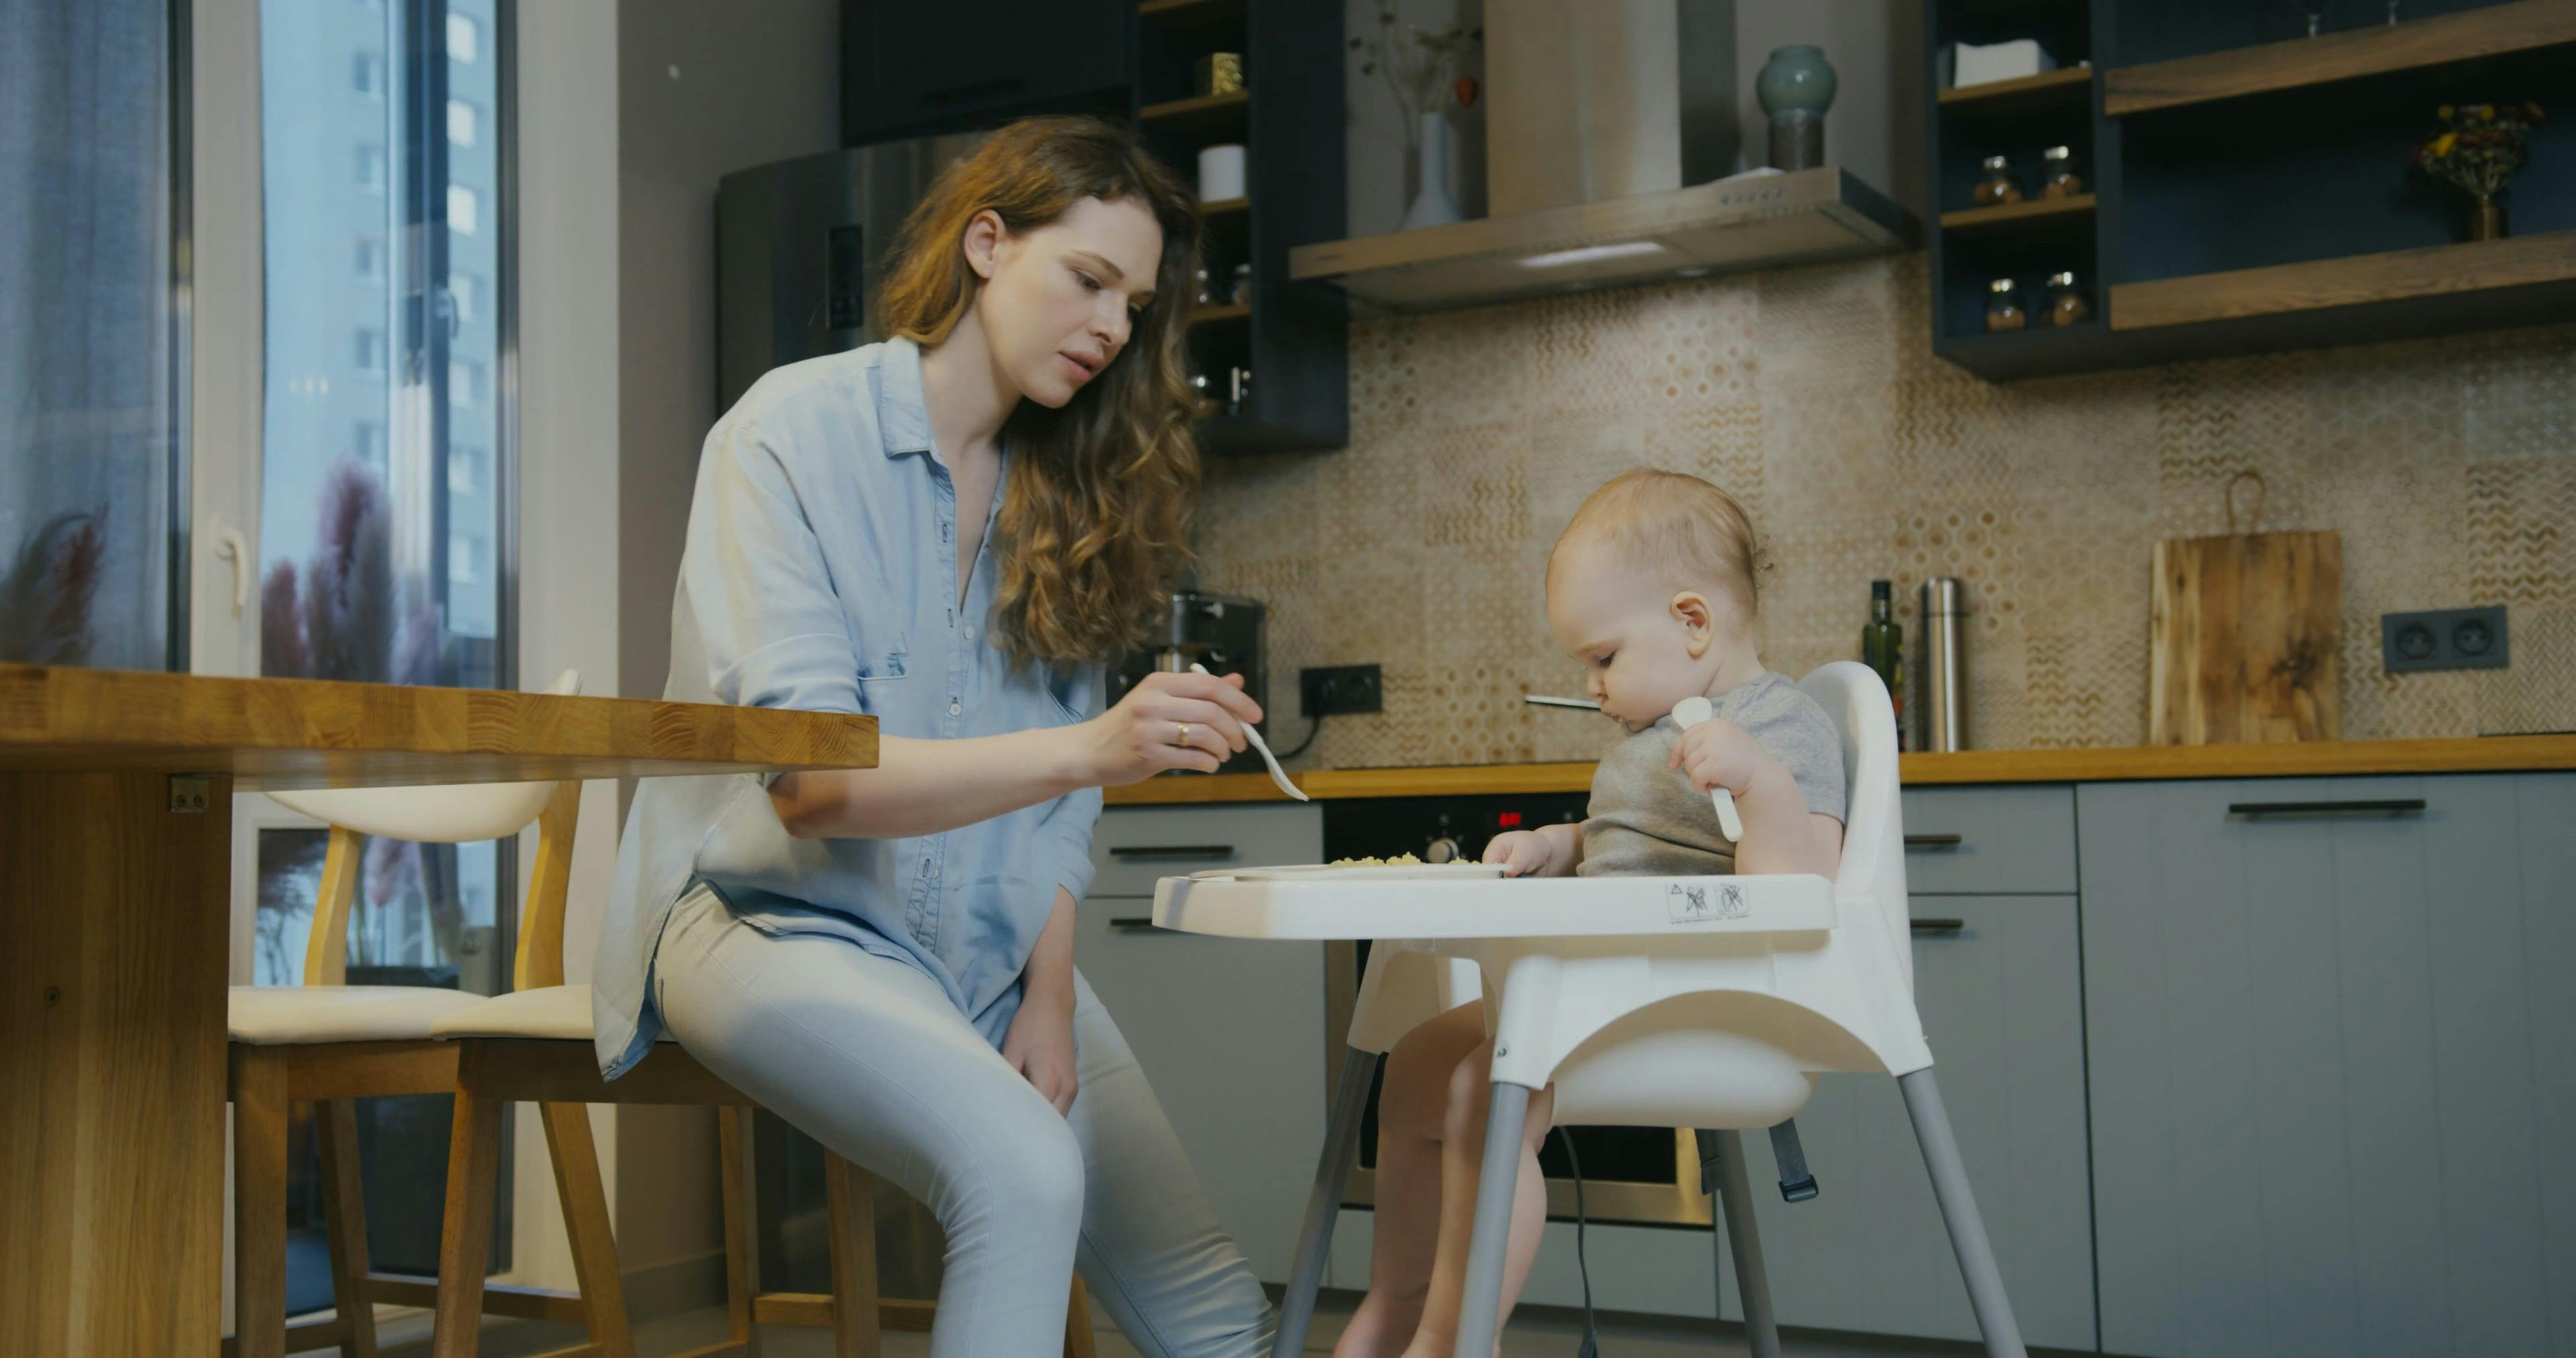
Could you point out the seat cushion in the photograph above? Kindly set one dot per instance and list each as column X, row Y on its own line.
column 277, row 1015
column 555, row 1011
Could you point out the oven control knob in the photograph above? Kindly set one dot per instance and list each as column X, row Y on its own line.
column 1441, row 850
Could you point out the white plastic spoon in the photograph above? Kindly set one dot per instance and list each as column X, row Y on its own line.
column 1281, row 778
column 1690, row 712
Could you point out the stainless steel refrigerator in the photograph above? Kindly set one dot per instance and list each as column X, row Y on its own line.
column 800, row 249
column 800, row 245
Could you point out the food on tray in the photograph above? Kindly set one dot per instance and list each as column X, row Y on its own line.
column 1402, row 860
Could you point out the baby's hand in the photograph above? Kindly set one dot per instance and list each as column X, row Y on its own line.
column 1717, row 753
column 1523, row 853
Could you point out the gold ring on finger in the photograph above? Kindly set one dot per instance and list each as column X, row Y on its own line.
column 1185, row 733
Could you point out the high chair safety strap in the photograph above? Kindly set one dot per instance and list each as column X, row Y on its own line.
column 1796, row 1184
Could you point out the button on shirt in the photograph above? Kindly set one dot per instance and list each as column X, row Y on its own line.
column 820, row 574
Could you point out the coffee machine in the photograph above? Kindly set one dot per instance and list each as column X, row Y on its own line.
column 1219, row 631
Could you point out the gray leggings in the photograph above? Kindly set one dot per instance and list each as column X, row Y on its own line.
column 869, row 1057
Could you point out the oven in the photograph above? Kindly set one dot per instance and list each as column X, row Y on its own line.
column 1641, row 1175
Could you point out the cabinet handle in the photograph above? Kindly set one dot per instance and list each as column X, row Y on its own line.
column 1932, row 841
column 1133, row 924
column 2394, row 806
column 974, row 89
column 1937, row 926
column 1173, row 851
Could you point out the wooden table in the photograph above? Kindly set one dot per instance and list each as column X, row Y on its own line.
column 115, row 871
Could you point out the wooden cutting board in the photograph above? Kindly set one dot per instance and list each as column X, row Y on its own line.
column 2244, row 630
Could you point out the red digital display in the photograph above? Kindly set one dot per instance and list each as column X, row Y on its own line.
column 1508, row 819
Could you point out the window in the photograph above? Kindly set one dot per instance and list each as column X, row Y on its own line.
column 462, row 38
column 371, row 168
column 367, row 74
column 371, row 351
column 371, row 259
column 467, row 382
column 465, row 553
column 471, row 297
column 367, row 442
column 464, row 469
column 460, row 123
column 462, row 210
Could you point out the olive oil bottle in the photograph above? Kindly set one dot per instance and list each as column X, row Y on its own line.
column 1882, row 648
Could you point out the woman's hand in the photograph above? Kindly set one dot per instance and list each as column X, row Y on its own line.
column 1168, row 721
column 1718, row 753
column 1040, row 1047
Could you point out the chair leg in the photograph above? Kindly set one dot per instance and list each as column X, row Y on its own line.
column 1495, row 1180
column 344, row 1206
column 1959, row 1213
column 260, row 1111
column 465, row 1235
column 1324, row 1202
column 585, row 1209
column 850, row 1217
column 742, row 1238
column 1752, row 1280
column 1078, row 1339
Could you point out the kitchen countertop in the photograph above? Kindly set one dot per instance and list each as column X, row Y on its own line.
column 2467, row 754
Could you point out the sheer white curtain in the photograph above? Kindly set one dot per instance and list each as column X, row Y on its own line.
column 88, row 408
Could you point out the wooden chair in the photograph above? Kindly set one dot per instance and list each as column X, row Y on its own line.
column 534, row 1046
column 327, row 1042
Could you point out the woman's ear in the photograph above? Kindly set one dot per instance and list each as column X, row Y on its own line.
column 983, row 243
column 1699, row 624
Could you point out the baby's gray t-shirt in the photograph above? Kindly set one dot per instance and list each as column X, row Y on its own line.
column 1646, row 820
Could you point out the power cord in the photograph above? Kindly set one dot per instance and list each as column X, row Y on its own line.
column 1591, row 1346
column 1318, row 720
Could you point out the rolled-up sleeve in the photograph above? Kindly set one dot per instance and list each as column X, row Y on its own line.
column 774, row 631
column 1063, row 842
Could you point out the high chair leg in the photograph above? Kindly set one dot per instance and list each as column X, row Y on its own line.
column 1495, row 1180
column 1752, row 1280
column 1959, row 1213
column 1324, row 1202
column 585, row 1208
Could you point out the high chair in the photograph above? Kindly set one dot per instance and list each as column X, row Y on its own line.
column 1707, row 1002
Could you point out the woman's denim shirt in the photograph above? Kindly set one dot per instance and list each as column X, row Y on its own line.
column 821, row 574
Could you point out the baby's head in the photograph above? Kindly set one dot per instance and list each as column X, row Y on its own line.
column 1652, row 588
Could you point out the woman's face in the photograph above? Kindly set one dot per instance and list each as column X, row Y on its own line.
column 1059, row 301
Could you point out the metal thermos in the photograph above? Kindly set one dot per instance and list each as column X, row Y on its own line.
column 1943, row 719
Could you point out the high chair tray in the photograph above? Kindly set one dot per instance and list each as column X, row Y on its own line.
column 1528, row 907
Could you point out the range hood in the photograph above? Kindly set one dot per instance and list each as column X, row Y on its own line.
column 1609, row 124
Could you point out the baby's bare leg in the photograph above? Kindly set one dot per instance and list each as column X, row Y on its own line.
column 1412, row 1116
column 1462, row 1154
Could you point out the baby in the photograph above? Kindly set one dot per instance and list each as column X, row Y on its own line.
column 1652, row 588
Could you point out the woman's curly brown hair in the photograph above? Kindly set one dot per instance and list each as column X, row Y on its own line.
column 1095, row 521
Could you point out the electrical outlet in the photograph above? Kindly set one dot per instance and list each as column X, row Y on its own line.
column 1336, row 689
column 2445, row 639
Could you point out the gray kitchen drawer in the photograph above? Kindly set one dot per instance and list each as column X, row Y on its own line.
column 1990, row 841
column 1135, row 846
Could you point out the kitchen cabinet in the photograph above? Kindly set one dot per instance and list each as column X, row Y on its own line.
column 1230, row 1032
column 912, row 68
column 2332, row 1059
column 2001, row 1006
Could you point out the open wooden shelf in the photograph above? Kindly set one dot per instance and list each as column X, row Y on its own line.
column 1224, row 207
column 1153, row 9
column 1217, row 315
column 2436, row 271
column 2027, row 212
column 2491, row 31
column 1209, row 118
column 2048, row 87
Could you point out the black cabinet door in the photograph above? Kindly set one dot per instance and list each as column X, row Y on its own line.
column 912, row 66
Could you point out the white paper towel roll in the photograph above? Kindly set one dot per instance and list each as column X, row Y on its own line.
column 1221, row 172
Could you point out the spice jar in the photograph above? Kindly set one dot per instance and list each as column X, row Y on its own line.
column 2066, row 303
column 1241, row 293
column 2057, row 177
column 2003, row 307
column 1997, row 188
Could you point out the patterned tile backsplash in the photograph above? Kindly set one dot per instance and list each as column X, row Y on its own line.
column 2449, row 467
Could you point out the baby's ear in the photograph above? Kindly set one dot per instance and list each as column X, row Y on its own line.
column 1691, row 609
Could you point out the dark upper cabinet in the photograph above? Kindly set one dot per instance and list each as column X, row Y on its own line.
column 909, row 67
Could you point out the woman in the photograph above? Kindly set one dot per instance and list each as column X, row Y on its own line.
column 950, row 531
